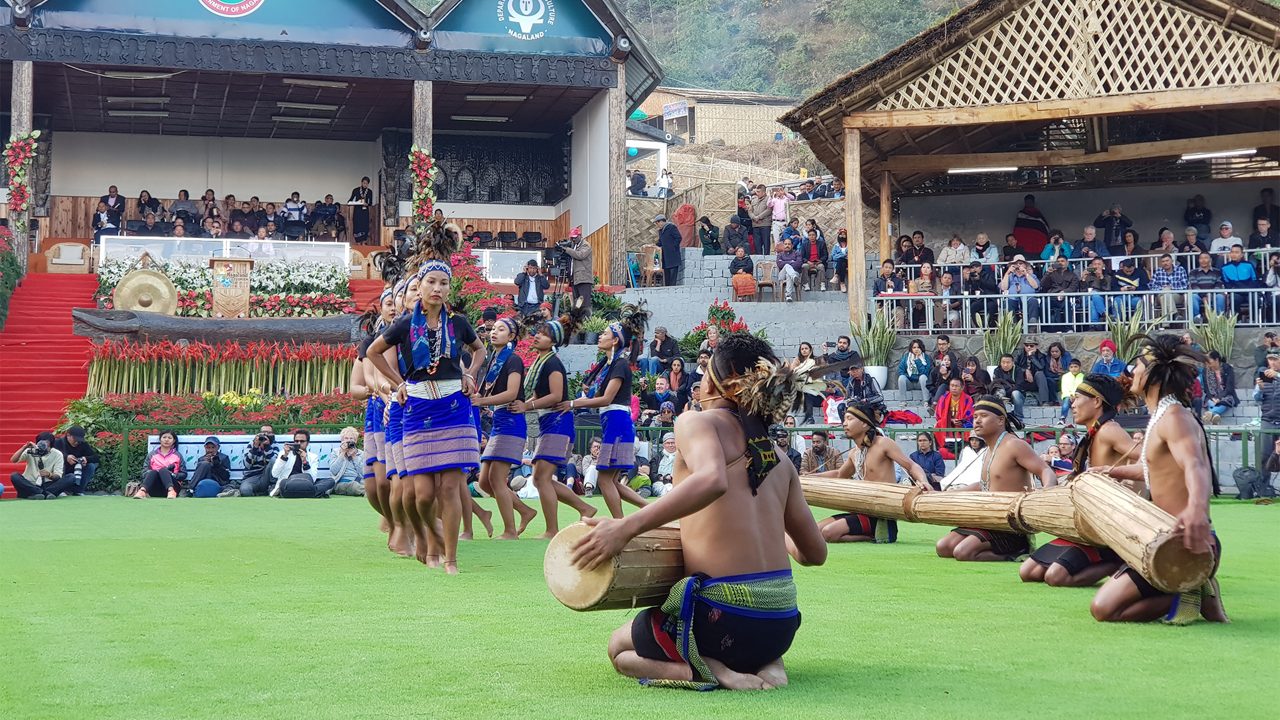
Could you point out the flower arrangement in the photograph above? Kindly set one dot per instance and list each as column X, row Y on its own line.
column 10, row 272
column 721, row 314
column 423, row 169
column 166, row 367
column 18, row 155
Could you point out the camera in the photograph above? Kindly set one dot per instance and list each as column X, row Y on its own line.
column 41, row 448
column 261, row 439
column 347, row 444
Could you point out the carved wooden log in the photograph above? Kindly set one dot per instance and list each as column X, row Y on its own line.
column 120, row 325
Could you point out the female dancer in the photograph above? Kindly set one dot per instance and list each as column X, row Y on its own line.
column 377, row 488
column 608, row 387
column 404, row 514
column 501, row 386
column 440, row 443
column 546, row 387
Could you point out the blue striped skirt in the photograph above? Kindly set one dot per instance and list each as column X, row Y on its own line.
column 374, row 432
column 440, row 435
column 617, row 441
column 555, row 438
column 394, row 439
column 507, row 438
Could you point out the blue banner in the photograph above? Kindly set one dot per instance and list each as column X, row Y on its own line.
column 527, row 27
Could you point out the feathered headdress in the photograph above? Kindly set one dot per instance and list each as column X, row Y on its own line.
column 1171, row 365
column 633, row 320
column 559, row 329
column 436, row 246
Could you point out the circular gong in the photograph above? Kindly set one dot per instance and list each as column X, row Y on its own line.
column 146, row 291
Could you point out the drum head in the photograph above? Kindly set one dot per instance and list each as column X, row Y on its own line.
column 576, row 589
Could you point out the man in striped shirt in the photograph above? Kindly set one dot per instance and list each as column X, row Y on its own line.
column 1170, row 281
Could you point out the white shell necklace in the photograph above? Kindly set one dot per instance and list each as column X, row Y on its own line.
column 1165, row 403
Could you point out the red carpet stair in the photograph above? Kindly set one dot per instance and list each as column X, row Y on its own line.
column 365, row 292
column 42, row 364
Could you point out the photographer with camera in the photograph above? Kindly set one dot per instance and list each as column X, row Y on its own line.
column 294, row 464
column 258, row 458
column 42, row 478
column 81, row 459
column 531, row 286
column 213, row 470
column 581, row 276
column 345, row 467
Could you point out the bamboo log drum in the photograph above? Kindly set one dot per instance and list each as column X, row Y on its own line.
column 640, row 576
column 1139, row 532
column 1052, row 511
column 985, row 510
column 884, row 500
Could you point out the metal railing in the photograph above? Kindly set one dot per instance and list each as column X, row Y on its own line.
column 1148, row 259
column 1073, row 312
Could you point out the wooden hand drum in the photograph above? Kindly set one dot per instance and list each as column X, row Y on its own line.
column 640, row 576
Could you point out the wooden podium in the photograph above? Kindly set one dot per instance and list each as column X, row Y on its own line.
column 231, row 287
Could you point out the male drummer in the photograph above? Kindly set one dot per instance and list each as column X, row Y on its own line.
column 1008, row 466
column 1063, row 563
column 1175, row 464
column 872, row 459
column 741, row 511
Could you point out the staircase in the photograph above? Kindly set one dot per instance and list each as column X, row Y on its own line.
column 42, row 364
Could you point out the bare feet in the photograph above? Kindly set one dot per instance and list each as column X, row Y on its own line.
column 590, row 513
column 527, row 514
column 451, row 567
column 465, row 536
column 486, row 519
column 385, row 525
column 731, row 680
column 398, row 542
column 1211, row 608
column 774, row 674
column 432, row 561
column 548, row 535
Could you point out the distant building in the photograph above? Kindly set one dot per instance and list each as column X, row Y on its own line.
column 700, row 116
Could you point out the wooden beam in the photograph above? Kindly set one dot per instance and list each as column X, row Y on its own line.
column 1160, row 101
column 1076, row 157
column 854, row 222
column 615, row 241
column 20, row 111
column 422, row 109
column 886, row 213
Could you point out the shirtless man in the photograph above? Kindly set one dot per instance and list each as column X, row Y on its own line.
column 871, row 459
column 1176, row 466
column 1063, row 563
column 741, row 512
column 1007, row 466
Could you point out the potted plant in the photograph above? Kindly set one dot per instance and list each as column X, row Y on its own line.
column 1003, row 339
column 592, row 327
column 1124, row 329
column 1218, row 332
column 876, row 342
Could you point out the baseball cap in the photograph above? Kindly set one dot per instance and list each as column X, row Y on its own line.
column 212, row 440
column 1226, row 224
column 659, row 218
column 668, row 436
column 76, row 432
column 975, row 263
column 1273, row 352
column 1127, row 262
column 1019, row 258
column 576, row 232
column 489, row 314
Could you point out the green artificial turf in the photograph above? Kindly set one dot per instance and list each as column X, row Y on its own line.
column 262, row 608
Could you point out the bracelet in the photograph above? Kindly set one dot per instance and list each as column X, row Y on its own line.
column 570, row 404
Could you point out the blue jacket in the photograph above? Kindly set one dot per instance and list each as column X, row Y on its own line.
column 931, row 462
column 1239, row 274
column 924, row 365
column 1113, row 368
column 1097, row 246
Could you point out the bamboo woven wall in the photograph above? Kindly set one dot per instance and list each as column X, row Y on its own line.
column 1064, row 49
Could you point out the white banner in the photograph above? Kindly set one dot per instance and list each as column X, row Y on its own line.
column 191, row 447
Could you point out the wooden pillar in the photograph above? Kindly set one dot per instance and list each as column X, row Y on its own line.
column 854, row 222
column 422, row 115
column 615, row 239
column 886, row 215
column 20, row 124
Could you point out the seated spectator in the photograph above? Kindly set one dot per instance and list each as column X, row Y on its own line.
column 1271, row 301
column 923, row 253
column 42, row 478
column 586, row 465
column 1205, row 277
column 940, row 377
column 531, row 286
column 233, row 210
column 709, row 236
column 820, row 457
column 906, row 254
column 259, row 456
column 113, row 200
column 1071, row 380
column 1033, row 373
column 1191, row 242
column 1057, row 247
column 179, row 229
column 890, row 282
column 663, row 417
column 926, row 455
column 662, row 349
column 326, row 219
column 1239, row 274
column 1006, row 372
column 1108, row 363
column 1269, row 340
column 834, row 398
column 954, row 410
column 913, row 371
column 1226, row 239
column 1128, row 246
column 983, row 252
column 237, row 231
column 1219, row 388
column 662, row 393
column 1111, row 224
column 185, row 208
column 954, row 256
column 1171, row 282
column 105, row 222
column 814, row 263
column 792, row 232
column 976, row 378
column 150, row 228
column 1059, row 456
column 782, row 439
column 1057, row 359
column 295, row 461
column 742, row 274
column 163, row 471
column 967, row 470
column 1010, row 250
column 1089, row 246
column 257, row 216
column 212, row 473
column 1266, row 392
column 789, row 264
column 1097, row 281
column 1131, row 282
column 1165, row 244
column 925, row 283
column 797, row 439
column 808, row 400
column 949, row 307
column 1058, row 282
column 862, row 389
column 736, row 236
column 1020, row 285
column 79, row 457
column 712, row 339
column 346, row 468
column 148, row 204
column 1265, row 237
column 979, row 283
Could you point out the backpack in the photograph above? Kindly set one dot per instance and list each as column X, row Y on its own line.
column 1250, row 484
column 299, row 485
column 206, row 488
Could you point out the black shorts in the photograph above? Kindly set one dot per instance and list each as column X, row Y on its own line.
column 1071, row 556
column 1010, row 545
column 1147, row 590
column 743, row 644
column 860, row 524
